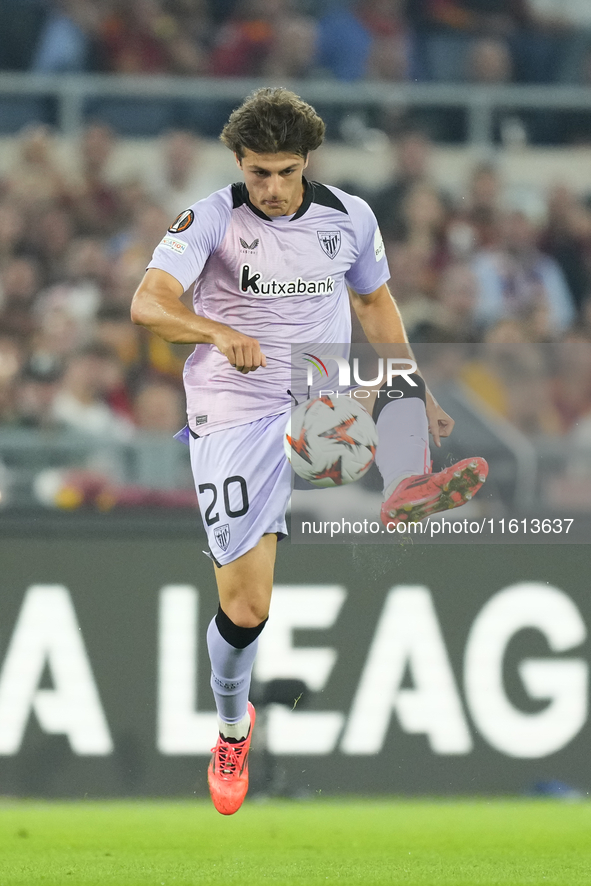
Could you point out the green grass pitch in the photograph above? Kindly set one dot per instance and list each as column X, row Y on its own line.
column 457, row 843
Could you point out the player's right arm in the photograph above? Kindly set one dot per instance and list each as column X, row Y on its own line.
column 156, row 305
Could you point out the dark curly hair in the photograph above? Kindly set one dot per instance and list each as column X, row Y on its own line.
column 273, row 120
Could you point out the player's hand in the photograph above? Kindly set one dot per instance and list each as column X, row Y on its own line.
column 440, row 423
column 243, row 352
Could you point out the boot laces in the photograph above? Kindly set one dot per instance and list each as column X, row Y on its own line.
column 229, row 757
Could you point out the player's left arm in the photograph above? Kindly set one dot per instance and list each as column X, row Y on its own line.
column 381, row 321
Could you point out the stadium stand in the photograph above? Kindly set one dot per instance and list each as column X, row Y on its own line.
column 490, row 245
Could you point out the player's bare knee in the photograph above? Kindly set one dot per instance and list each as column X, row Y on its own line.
column 240, row 627
column 246, row 614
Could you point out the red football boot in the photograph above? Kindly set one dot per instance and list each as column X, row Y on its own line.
column 424, row 494
column 227, row 774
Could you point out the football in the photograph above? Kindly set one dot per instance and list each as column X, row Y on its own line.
column 330, row 441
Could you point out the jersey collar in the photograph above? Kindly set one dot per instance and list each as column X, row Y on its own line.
column 240, row 196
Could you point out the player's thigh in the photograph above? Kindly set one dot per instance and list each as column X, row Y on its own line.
column 245, row 584
column 243, row 483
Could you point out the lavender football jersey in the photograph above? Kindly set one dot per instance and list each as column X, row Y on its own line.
column 282, row 281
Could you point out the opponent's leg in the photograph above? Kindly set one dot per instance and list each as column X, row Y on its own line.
column 244, row 587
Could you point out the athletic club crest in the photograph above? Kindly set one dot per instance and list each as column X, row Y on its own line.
column 222, row 536
column 330, row 242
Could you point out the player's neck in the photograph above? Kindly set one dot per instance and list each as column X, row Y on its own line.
column 290, row 209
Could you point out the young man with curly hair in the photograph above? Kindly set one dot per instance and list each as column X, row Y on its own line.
column 274, row 260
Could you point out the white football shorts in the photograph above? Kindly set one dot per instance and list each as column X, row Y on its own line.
column 243, row 482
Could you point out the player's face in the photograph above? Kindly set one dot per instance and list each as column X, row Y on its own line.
column 274, row 181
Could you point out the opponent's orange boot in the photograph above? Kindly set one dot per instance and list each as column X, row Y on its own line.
column 424, row 494
column 227, row 774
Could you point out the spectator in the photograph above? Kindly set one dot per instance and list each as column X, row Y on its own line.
column 412, row 283
column 140, row 37
column 122, row 280
column 453, row 315
column 114, row 384
column 6, row 411
column 507, row 331
column 137, row 243
column 180, row 179
column 489, row 62
column 12, row 228
column 57, row 335
column 571, row 21
column 19, row 285
column 567, row 238
column 193, row 33
column 79, row 292
column 370, row 40
column 133, row 196
column 448, row 31
column 35, row 180
column 571, row 382
column 423, row 228
column 67, row 40
column 50, row 235
column 585, row 327
column 34, row 393
column 140, row 354
column 12, row 357
column 265, row 38
column 423, row 216
column 80, row 401
column 411, row 153
column 517, row 280
column 21, row 22
column 158, row 408
column 479, row 213
column 511, row 376
column 114, row 331
column 148, row 353
column 96, row 204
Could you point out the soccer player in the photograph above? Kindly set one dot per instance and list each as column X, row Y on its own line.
column 272, row 261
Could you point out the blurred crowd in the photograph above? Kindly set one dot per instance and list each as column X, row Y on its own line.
column 489, row 261
column 73, row 248
column 483, row 41
column 476, row 266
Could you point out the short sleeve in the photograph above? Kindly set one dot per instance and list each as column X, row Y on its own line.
column 370, row 269
column 193, row 236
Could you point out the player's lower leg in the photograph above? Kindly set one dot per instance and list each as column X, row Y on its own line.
column 411, row 491
column 232, row 650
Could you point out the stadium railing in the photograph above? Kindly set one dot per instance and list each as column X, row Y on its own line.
column 68, row 470
column 481, row 104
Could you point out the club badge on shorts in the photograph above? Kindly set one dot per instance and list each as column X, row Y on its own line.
column 222, row 536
